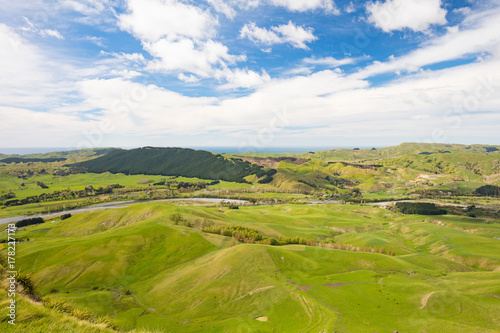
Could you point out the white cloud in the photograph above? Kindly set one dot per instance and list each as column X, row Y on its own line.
column 331, row 62
column 132, row 57
column 186, row 56
column 307, row 5
column 151, row 20
column 350, row 8
column 325, row 103
column 28, row 75
column 99, row 41
column 188, row 51
column 295, row 35
column 19, row 125
column 223, row 7
column 463, row 11
column 328, row 103
column 479, row 34
column 30, row 27
column 325, row 98
column 417, row 15
column 259, row 35
column 300, row 70
column 287, row 33
column 188, row 78
column 244, row 78
column 125, row 73
column 227, row 7
column 51, row 33
column 92, row 12
column 112, row 64
column 87, row 7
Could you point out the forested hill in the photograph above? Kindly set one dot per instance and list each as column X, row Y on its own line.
column 172, row 162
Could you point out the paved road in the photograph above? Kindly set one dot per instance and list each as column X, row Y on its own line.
column 119, row 204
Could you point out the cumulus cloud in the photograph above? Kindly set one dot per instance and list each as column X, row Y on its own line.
column 151, row 20
column 286, row 33
column 416, row 15
column 325, row 99
column 187, row 56
column 259, row 35
column 243, row 78
column 187, row 50
column 57, row 99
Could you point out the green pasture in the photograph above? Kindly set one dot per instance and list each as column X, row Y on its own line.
column 146, row 273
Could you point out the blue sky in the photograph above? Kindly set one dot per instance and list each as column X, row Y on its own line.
column 249, row 73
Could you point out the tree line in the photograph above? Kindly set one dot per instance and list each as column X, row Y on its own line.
column 420, row 208
column 58, row 195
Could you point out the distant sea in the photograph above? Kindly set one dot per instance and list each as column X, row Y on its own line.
column 218, row 150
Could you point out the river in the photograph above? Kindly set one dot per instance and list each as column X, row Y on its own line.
column 119, row 204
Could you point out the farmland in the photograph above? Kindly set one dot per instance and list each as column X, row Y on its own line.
column 325, row 259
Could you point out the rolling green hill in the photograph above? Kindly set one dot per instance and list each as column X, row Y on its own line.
column 417, row 169
column 172, row 162
column 141, row 270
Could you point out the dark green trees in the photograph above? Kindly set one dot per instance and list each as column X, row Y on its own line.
column 488, row 191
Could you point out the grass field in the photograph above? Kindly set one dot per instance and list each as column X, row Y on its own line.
column 143, row 271
column 151, row 267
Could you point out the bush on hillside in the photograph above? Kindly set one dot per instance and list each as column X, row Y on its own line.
column 27, row 222
column 488, row 191
column 266, row 180
column 421, row 208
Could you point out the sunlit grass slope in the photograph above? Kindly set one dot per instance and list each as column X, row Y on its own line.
column 145, row 272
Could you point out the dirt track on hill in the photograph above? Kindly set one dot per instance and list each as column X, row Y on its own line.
column 426, row 298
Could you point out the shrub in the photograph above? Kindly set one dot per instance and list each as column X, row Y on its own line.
column 25, row 281
column 27, row 222
column 488, row 191
column 42, row 185
column 421, row 208
column 266, row 180
column 176, row 218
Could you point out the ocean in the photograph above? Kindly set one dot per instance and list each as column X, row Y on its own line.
column 218, row 150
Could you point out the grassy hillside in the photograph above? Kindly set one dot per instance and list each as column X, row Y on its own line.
column 147, row 271
column 410, row 169
column 172, row 162
column 333, row 267
column 69, row 154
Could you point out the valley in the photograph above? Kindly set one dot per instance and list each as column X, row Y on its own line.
column 379, row 240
